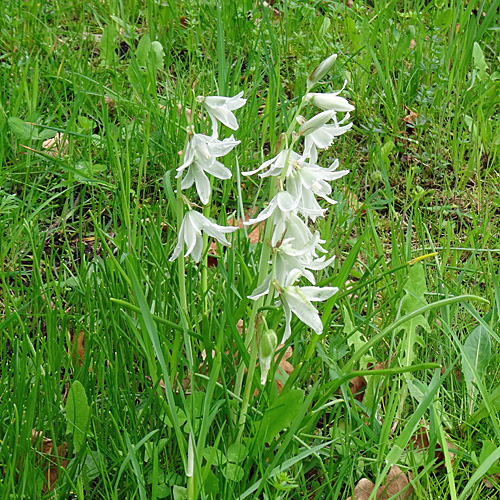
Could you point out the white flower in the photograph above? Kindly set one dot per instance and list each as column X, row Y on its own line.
column 200, row 157
column 316, row 122
column 190, row 233
column 288, row 257
column 276, row 164
column 323, row 137
column 297, row 300
column 307, row 180
column 221, row 108
column 330, row 101
column 320, row 71
column 282, row 206
column 294, row 227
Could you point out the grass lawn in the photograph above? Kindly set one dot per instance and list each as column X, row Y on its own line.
column 126, row 373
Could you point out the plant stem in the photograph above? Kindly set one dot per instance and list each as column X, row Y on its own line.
column 250, row 339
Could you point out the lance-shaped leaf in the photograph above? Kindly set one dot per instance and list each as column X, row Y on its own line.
column 476, row 355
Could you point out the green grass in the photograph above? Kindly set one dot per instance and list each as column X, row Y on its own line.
column 85, row 239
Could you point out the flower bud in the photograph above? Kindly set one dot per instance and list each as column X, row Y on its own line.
column 330, row 101
column 316, row 122
column 320, row 71
column 267, row 345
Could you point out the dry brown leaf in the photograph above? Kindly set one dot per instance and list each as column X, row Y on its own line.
column 495, row 478
column 421, row 442
column 363, row 490
column 57, row 146
column 395, row 483
column 356, row 384
column 256, row 233
column 411, row 118
column 47, row 459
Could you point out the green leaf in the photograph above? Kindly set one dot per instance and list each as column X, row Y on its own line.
column 211, row 485
column 487, row 449
column 480, row 472
column 236, row 453
column 180, row 493
column 482, row 410
column 21, row 129
column 142, row 51
column 476, row 355
column 216, row 457
column 279, row 415
column 156, row 55
column 233, row 472
column 354, row 337
column 480, row 62
column 108, row 44
column 413, row 300
column 77, row 414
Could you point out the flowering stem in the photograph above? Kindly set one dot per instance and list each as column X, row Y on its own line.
column 182, row 286
column 250, row 340
column 204, row 267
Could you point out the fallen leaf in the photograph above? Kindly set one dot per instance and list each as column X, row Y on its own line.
column 57, row 146
column 396, row 486
column 77, row 347
column 421, row 442
column 491, row 481
column 396, row 482
column 47, row 459
column 355, row 385
column 363, row 490
column 411, row 118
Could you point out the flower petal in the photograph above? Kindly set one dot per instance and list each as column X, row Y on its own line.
column 217, row 169
column 262, row 289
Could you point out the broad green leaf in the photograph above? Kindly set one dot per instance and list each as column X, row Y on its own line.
column 108, row 44
column 142, row 51
column 21, row 129
column 476, row 355
column 279, row 415
column 413, row 300
column 162, row 491
column 482, row 410
column 480, row 62
column 233, row 472
column 156, row 55
column 211, row 485
column 480, row 472
column 487, row 449
column 444, row 19
column 180, row 493
column 77, row 414
column 236, row 453
column 216, row 457
column 353, row 339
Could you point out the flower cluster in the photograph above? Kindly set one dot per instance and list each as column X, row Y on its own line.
column 200, row 159
column 297, row 250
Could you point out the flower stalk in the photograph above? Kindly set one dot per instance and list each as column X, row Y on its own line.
column 291, row 251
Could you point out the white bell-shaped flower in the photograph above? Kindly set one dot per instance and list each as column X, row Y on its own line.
column 200, row 157
column 190, row 233
column 221, row 108
column 297, row 300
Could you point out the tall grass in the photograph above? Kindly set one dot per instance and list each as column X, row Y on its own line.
column 86, row 234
